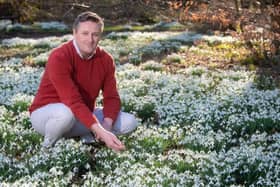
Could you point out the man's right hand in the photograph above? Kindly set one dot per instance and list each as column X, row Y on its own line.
column 107, row 137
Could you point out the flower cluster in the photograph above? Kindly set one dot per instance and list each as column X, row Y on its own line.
column 8, row 26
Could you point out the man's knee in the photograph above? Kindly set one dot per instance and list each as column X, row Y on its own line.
column 65, row 117
column 129, row 124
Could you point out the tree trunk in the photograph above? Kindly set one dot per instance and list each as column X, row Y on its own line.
column 237, row 5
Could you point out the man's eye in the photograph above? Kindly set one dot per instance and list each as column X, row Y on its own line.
column 96, row 34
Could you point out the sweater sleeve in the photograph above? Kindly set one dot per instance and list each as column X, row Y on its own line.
column 60, row 72
column 111, row 98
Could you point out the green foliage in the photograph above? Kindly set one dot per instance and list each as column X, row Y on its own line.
column 174, row 58
column 146, row 112
column 197, row 72
column 17, row 144
column 153, row 66
column 127, row 106
column 117, row 37
column 264, row 82
column 156, row 144
column 141, row 91
column 168, row 182
column 123, row 53
column 246, row 173
column 134, row 59
column 31, row 61
column 172, row 26
column 19, row 106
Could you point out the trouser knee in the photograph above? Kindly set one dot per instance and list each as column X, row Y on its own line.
column 126, row 124
column 64, row 118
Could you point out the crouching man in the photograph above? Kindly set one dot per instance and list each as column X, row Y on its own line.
column 75, row 73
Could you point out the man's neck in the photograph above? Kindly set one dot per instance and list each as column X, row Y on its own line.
column 79, row 52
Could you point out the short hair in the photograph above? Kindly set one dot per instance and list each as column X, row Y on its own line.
column 88, row 16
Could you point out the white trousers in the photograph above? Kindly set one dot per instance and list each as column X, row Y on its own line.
column 56, row 120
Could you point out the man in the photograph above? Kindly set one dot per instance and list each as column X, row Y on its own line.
column 75, row 73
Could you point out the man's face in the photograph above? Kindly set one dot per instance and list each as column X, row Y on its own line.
column 87, row 36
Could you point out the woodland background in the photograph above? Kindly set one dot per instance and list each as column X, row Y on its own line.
column 251, row 20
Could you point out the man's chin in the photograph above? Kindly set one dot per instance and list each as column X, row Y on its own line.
column 90, row 52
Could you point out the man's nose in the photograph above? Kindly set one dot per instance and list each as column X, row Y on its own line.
column 92, row 38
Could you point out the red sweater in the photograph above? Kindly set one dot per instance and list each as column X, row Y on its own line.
column 76, row 82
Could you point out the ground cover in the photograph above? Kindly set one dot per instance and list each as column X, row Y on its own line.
column 204, row 118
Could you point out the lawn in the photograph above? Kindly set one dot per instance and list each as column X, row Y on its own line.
column 200, row 124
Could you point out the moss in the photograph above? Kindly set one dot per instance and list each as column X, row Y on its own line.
column 225, row 46
column 248, row 60
column 252, row 67
column 229, row 55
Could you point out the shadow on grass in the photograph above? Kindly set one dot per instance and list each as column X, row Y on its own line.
column 267, row 70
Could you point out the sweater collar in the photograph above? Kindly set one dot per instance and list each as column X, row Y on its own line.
column 79, row 52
